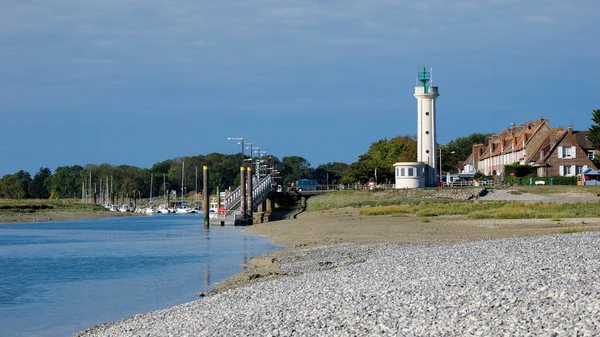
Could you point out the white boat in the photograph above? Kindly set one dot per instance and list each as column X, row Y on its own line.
column 213, row 210
column 124, row 208
column 162, row 209
column 149, row 210
column 183, row 208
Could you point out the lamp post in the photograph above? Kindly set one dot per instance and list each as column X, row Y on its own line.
column 249, row 148
column 441, row 164
column 242, row 141
column 259, row 163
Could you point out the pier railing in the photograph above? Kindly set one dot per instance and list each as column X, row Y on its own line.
column 260, row 192
column 232, row 201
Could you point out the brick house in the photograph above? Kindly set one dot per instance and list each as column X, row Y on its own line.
column 565, row 153
column 554, row 152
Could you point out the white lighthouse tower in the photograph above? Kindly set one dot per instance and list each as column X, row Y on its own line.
column 426, row 144
column 423, row 172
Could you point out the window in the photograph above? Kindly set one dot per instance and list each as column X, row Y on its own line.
column 427, row 113
column 566, row 152
column 411, row 172
column 567, row 171
column 426, row 132
column 578, row 169
column 591, row 155
column 402, row 172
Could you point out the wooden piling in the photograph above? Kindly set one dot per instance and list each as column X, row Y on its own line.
column 243, row 206
column 249, row 192
column 205, row 206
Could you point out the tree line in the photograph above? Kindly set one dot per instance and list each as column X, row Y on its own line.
column 224, row 171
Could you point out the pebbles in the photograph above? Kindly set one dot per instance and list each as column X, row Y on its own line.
column 544, row 286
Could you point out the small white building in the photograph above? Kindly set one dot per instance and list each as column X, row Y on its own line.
column 410, row 175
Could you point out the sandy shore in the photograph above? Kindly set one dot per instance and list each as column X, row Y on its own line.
column 347, row 226
column 58, row 216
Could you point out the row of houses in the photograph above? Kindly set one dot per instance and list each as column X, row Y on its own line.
column 553, row 151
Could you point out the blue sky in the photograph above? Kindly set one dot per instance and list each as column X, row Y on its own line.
column 137, row 82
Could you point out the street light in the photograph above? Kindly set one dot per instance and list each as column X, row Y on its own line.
column 242, row 141
column 259, row 162
column 441, row 164
column 249, row 148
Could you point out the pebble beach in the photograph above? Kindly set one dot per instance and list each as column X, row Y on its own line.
column 534, row 286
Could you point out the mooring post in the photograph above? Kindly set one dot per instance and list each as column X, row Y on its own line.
column 249, row 192
column 243, row 207
column 205, row 196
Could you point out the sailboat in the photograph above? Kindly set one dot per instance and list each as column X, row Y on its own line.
column 183, row 207
column 150, row 210
column 163, row 209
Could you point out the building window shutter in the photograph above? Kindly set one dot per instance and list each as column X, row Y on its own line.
column 572, row 170
column 560, row 155
column 561, row 170
column 573, row 152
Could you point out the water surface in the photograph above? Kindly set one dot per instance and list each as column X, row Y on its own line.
column 58, row 278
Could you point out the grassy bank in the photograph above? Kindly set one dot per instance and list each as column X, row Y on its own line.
column 30, row 206
column 427, row 203
column 555, row 189
column 491, row 210
column 360, row 199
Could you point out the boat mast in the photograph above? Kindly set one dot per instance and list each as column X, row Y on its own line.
column 182, row 174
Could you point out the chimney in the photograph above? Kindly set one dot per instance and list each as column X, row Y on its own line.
column 477, row 150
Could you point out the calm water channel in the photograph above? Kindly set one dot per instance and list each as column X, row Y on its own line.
column 58, row 278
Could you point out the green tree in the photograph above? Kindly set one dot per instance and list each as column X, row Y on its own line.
column 16, row 186
column 162, row 167
column 9, row 186
column 381, row 156
column 66, row 181
column 594, row 133
column 330, row 172
column 458, row 150
column 40, row 185
column 295, row 168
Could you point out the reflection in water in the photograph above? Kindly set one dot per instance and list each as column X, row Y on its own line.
column 247, row 255
column 206, row 277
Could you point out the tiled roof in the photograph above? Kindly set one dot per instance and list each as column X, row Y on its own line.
column 581, row 138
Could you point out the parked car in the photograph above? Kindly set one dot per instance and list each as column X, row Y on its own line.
column 307, row 185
